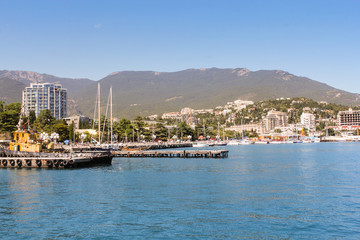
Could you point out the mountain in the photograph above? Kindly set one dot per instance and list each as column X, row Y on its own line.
column 147, row 92
column 72, row 84
column 11, row 90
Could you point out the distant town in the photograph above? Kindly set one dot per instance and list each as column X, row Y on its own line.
column 44, row 107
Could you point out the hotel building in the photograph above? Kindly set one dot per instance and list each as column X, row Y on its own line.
column 349, row 118
column 41, row 96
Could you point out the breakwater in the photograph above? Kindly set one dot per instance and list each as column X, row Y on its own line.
column 173, row 154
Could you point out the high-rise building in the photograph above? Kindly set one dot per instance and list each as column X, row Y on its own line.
column 308, row 120
column 274, row 119
column 41, row 96
column 349, row 118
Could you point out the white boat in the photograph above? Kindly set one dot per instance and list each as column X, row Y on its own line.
column 199, row 145
column 233, row 143
column 246, row 142
column 261, row 142
column 220, row 143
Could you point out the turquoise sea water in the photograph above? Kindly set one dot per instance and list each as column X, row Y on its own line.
column 292, row 191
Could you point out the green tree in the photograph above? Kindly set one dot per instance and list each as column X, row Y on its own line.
column 71, row 131
column 32, row 117
column 44, row 121
column 185, row 130
column 9, row 116
column 63, row 131
column 124, row 130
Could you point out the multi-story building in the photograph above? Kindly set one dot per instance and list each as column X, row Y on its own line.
column 274, row 119
column 308, row 120
column 349, row 118
column 78, row 121
column 247, row 127
column 41, row 96
column 172, row 115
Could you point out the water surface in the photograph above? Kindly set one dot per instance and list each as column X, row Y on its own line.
column 292, row 191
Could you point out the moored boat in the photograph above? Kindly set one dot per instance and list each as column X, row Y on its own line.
column 199, row 145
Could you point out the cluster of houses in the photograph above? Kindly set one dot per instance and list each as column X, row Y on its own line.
column 274, row 123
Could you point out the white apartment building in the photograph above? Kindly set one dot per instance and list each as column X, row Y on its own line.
column 247, row 127
column 41, row 96
column 349, row 118
column 308, row 120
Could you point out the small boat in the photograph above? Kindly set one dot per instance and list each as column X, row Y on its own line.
column 199, row 145
column 220, row 144
column 233, row 143
column 246, row 142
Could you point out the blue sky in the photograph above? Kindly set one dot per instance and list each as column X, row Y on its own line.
column 317, row 39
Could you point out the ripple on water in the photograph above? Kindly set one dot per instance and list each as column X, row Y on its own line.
column 259, row 192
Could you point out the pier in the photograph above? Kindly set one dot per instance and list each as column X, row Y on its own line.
column 16, row 159
column 173, row 154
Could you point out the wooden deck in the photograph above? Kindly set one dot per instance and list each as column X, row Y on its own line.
column 173, row 154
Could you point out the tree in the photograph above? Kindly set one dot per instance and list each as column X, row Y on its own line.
column 44, row 121
column 123, row 129
column 185, row 130
column 71, row 130
column 32, row 117
column 63, row 131
column 9, row 116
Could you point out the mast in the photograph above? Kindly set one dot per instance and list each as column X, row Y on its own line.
column 223, row 133
column 96, row 100
column 99, row 110
column 204, row 128
column 111, row 118
column 106, row 117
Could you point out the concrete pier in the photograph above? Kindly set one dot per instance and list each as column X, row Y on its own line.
column 13, row 159
column 173, row 154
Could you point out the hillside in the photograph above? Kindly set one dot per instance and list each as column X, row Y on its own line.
column 26, row 77
column 149, row 92
column 11, row 90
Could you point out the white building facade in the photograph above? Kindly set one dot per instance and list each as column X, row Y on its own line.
column 41, row 96
column 308, row 120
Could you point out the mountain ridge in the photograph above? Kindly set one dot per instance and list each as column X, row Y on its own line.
column 151, row 92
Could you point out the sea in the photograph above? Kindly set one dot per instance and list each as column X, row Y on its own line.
column 280, row 191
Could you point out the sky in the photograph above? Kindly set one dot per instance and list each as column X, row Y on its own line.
column 90, row 39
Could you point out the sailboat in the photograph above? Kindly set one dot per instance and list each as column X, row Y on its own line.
column 219, row 142
column 109, row 144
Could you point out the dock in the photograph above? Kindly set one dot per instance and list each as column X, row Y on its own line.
column 173, row 154
column 16, row 159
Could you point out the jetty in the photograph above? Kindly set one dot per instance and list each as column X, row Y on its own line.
column 172, row 154
column 16, row 159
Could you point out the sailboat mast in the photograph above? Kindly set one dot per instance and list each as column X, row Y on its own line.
column 204, row 128
column 223, row 133
column 111, row 118
column 99, row 110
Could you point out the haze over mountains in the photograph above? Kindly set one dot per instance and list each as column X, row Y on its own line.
column 147, row 92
